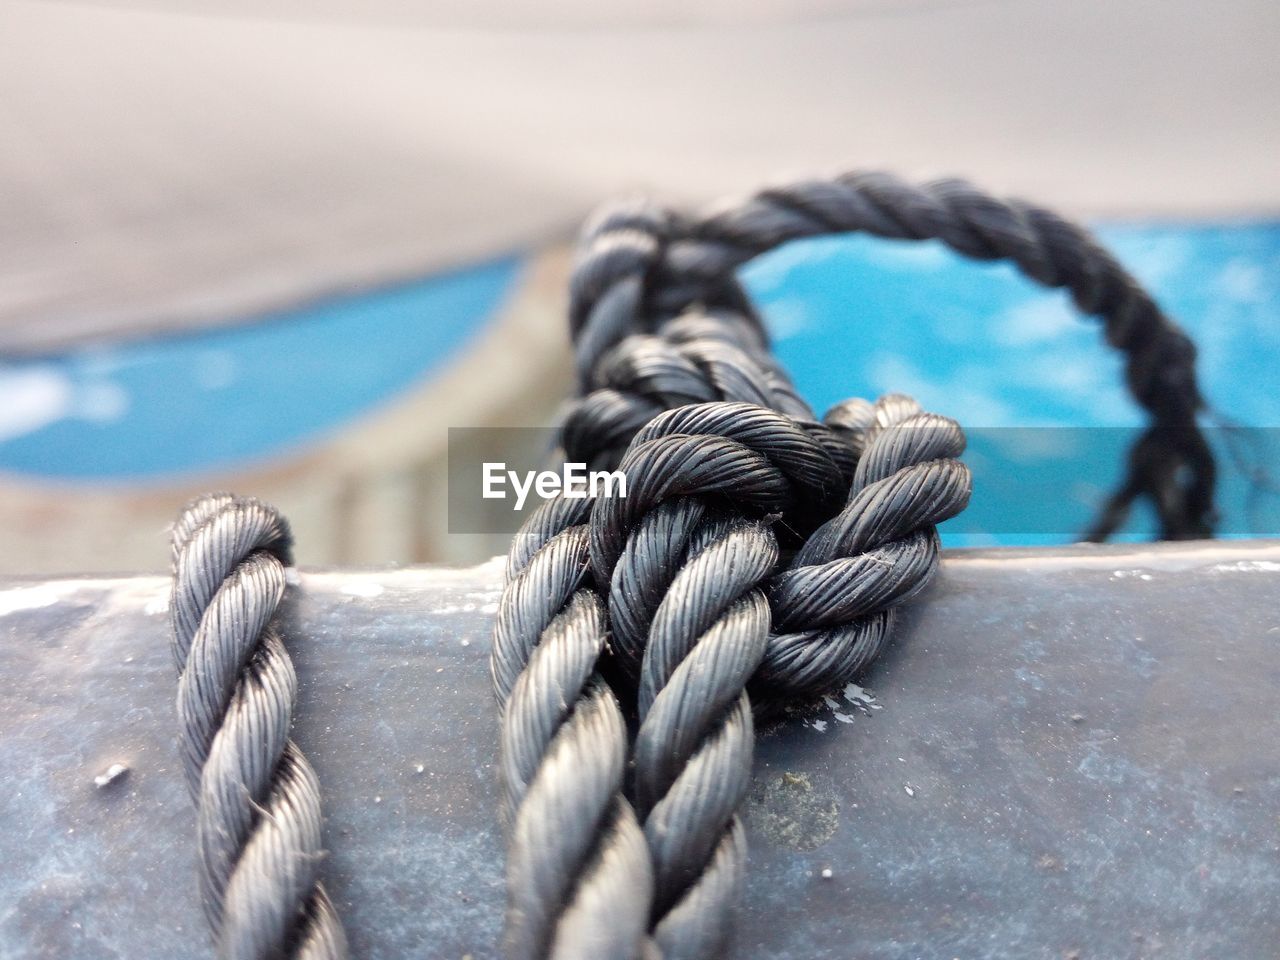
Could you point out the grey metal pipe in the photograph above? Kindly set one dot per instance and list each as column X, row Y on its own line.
column 1063, row 751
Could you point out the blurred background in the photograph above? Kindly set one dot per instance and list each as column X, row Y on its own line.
column 281, row 247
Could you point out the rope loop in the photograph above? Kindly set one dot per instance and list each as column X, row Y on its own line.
column 677, row 265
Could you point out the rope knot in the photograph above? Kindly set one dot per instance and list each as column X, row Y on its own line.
column 832, row 606
column 757, row 548
column 752, row 457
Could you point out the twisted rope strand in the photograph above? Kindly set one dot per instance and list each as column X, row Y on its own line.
column 834, row 606
column 579, row 882
column 694, row 747
column 702, row 639
column 686, row 590
column 257, row 798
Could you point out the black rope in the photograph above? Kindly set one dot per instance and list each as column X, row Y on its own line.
column 758, row 546
column 578, row 875
column 257, row 798
column 639, row 271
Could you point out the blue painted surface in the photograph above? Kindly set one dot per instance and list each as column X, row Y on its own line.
column 157, row 408
column 854, row 316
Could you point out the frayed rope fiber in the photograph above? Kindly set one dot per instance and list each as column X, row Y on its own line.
column 760, row 554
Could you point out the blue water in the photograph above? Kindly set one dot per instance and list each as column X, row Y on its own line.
column 153, row 409
column 850, row 316
column 854, row 316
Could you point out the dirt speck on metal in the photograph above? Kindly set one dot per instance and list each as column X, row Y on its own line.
column 110, row 775
column 787, row 810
